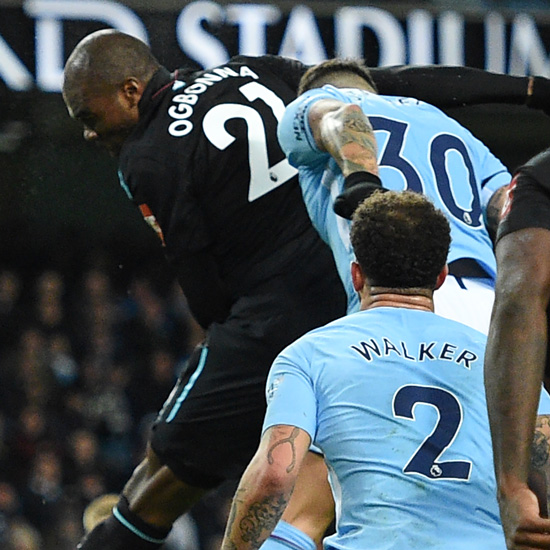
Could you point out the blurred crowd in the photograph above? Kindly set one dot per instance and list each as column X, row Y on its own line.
column 85, row 363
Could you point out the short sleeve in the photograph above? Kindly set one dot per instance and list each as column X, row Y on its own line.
column 527, row 206
column 290, row 394
column 544, row 403
column 294, row 132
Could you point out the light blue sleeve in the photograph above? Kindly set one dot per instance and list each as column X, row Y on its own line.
column 294, row 131
column 494, row 174
column 290, row 394
column 544, row 403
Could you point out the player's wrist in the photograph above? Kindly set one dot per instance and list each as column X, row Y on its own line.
column 358, row 186
column 362, row 176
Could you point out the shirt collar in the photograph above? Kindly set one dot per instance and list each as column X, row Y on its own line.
column 160, row 81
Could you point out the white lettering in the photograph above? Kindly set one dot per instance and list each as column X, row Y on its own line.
column 495, row 42
column 186, row 98
column 49, row 15
column 527, row 52
column 180, row 128
column 194, row 40
column 252, row 20
column 224, row 72
column 181, row 110
column 414, row 37
column 245, row 71
column 208, row 79
column 196, row 88
column 451, row 38
column 421, row 37
column 301, row 39
column 349, row 37
column 12, row 70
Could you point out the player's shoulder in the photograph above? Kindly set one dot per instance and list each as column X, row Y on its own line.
column 405, row 104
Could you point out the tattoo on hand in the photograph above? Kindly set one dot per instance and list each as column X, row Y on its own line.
column 290, row 439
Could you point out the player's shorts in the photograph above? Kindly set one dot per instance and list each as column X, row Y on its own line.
column 210, row 426
column 468, row 300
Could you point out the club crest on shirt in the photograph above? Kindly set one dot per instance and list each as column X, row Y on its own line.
column 152, row 221
column 273, row 386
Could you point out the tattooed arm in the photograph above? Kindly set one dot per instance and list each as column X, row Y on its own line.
column 265, row 487
column 539, row 476
column 344, row 131
column 514, row 367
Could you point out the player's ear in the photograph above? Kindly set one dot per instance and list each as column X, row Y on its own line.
column 132, row 88
column 441, row 277
column 357, row 276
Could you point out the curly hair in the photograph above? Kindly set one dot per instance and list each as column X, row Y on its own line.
column 317, row 75
column 400, row 240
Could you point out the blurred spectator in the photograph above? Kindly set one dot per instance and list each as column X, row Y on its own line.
column 49, row 312
column 23, row 536
column 11, row 313
column 43, row 493
column 84, row 368
column 32, row 431
column 61, row 360
column 151, row 387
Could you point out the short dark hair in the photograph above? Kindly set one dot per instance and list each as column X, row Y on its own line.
column 105, row 58
column 317, row 75
column 400, row 239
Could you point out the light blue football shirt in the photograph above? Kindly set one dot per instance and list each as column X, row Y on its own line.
column 421, row 149
column 395, row 400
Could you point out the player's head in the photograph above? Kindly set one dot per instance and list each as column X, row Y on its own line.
column 104, row 79
column 400, row 240
column 342, row 73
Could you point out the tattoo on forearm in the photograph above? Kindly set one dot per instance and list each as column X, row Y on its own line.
column 353, row 144
column 262, row 516
column 358, row 144
column 539, row 476
column 291, row 441
column 540, row 450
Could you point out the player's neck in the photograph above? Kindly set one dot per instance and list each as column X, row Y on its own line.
column 409, row 298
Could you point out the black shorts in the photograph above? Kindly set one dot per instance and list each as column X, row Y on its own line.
column 210, row 426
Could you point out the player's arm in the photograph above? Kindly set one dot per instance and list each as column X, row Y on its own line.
column 459, row 86
column 539, row 476
column 494, row 209
column 514, row 367
column 265, row 488
column 345, row 132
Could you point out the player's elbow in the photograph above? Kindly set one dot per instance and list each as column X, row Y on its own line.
column 276, row 479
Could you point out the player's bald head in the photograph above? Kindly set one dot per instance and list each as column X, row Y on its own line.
column 104, row 59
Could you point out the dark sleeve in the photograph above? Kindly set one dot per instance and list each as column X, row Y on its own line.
column 528, row 202
column 289, row 70
column 206, row 294
column 451, row 86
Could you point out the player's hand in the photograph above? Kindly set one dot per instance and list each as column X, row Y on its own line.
column 524, row 529
column 538, row 94
column 358, row 186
